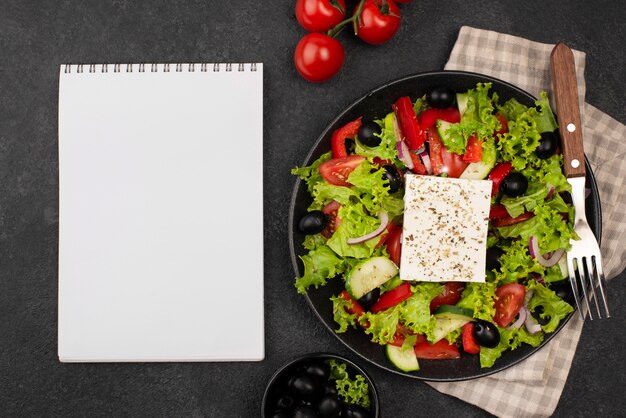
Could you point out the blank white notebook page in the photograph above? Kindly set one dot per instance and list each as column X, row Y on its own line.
column 161, row 213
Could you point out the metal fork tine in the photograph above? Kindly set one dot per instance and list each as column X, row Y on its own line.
column 590, row 274
column 575, row 291
column 598, row 269
column 581, row 278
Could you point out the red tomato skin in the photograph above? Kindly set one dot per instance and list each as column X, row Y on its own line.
column 474, row 150
column 392, row 298
column 356, row 308
column 394, row 245
column 338, row 140
column 509, row 301
column 450, row 296
column 385, row 235
column 429, row 117
column 337, row 170
column 441, row 350
column 376, row 28
column 507, row 220
column 470, row 346
column 498, row 174
column 319, row 15
column 402, row 332
column 504, row 125
column 442, row 160
column 318, row 57
column 332, row 210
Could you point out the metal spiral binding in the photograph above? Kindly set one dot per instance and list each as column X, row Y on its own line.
column 141, row 67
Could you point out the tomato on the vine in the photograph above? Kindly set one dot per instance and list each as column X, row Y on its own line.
column 320, row 15
column 379, row 21
column 318, row 57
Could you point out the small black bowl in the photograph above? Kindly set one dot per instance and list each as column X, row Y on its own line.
column 274, row 389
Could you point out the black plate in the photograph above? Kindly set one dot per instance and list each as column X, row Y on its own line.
column 376, row 104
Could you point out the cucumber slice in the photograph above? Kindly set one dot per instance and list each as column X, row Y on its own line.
column 461, row 102
column 442, row 130
column 481, row 169
column 563, row 266
column 445, row 325
column 368, row 275
column 453, row 312
column 404, row 360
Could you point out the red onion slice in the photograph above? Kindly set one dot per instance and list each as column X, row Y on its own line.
column 426, row 160
column 550, row 192
column 406, row 158
column 401, row 147
column 531, row 326
column 521, row 317
column 535, row 253
column 384, row 221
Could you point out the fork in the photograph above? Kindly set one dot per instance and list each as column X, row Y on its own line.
column 584, row 262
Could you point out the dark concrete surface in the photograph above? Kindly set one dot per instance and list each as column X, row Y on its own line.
column 37, row 36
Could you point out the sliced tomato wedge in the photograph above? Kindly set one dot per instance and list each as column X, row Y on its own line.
column 332, row 210
column 508, row 220
column 392, row 297
column 504, row 126
column 435, row 146
column 338, row 140
column 355, row 308
column 439, row 351
column 418, row 165
column 385, row 235
column 509, row 301
column 499, row 172
column 450, row 296
column 498, row 212
column 441, row 159
column 402, row 332
column 473, row 150
column 429, row 117
column 394, row 245
column 337, row 170
column 470, row 345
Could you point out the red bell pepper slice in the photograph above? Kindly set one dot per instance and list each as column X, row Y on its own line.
column 470, row 345
column 392, row 298
column 338, row 140
column 438, row 351
column 429, row 117
column 418, row 165
column 499, row 172
column 473, row 150
column 355, row 308
column 407, row 119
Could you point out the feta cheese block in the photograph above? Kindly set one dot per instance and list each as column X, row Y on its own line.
column 445, row 229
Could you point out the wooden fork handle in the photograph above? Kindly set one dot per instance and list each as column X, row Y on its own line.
column 567, row 110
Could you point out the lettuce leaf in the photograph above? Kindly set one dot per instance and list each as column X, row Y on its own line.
column 479, row 297
column 311, row 174
column 535, row 195
column 554, row 307
column 320, row 265
column 386, row 150
column 415, row 311
column 382, row 325
column 516, row 263
column 353, row 391
column 355, row 222
column 509, row 339
column 341, row 316
column 544, row 118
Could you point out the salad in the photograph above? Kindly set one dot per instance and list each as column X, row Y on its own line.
column 354, row 233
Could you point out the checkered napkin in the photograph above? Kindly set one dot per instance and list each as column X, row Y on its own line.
column 533, row 387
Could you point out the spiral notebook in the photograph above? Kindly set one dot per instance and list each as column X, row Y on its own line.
column 161, row 212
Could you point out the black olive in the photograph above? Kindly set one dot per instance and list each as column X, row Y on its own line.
column 356, row 411
column 369, row 299
column 563, row 289
column 441, row 97
column 548, row 144
column 329, row 388
column 392, row 175
column 486, row 334
column 305, row 387
column 514, row 184
column 368, row 133
column 304, row 412
column 319, row 370
column 284, row 402
column 329, row 406
column 493, row 258
column 567, row 197
column 313, row 222
column 537, row 315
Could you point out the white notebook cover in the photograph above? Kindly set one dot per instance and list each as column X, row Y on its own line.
column 161, row 212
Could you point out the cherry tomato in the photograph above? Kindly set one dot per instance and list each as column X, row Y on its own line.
column 392, row 298
column 379, row 21
column 331, row 210
column 450, row 296
column 473, row 150
column 470, row 345
column 509, row 300
column 394, row 245
column 320, row 15
column 438, row 351
column 318, row 57
column 337, row 170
